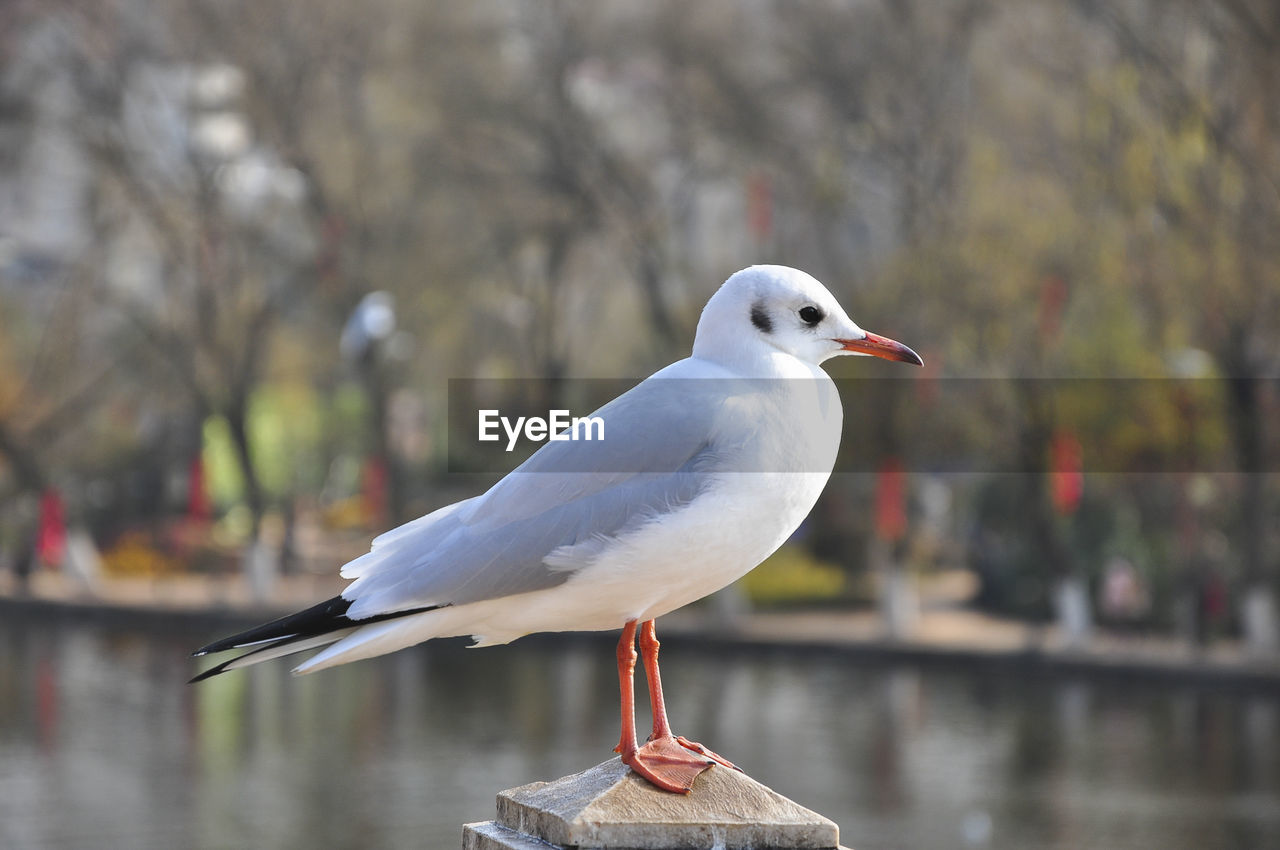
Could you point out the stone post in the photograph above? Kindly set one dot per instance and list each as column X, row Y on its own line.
column 610, row 808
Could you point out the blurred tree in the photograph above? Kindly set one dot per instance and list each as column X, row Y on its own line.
column 1200, row 128
column 1028, row 191
column 553, row 145
column 878, row 95
column 193, row 245
column 330, row 90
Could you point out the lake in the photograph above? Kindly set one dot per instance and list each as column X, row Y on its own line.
column 102, row 744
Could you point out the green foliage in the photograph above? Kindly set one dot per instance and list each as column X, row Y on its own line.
column 222, row 470
column 286, row 427
column 791, row 576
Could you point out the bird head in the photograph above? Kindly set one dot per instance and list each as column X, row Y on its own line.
column 782, row 308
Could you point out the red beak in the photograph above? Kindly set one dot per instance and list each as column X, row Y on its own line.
column 879, row 346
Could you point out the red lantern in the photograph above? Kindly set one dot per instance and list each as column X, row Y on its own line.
column 1053, row 303
column 51, row 536
column 1066, row 478
column 891, row 501
column 375, row 481
column 198, row 507
column 760, row 206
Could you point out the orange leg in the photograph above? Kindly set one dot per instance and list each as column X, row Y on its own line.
column 671, row 763
column 661, row 727
column 627, row 684
column 649, row 652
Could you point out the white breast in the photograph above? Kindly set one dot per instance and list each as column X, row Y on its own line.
column 721, row 535
column 713, row 542
column 693, row 551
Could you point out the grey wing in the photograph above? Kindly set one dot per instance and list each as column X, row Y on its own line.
column 661, row 445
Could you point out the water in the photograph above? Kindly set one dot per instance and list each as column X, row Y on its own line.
column 103, row 745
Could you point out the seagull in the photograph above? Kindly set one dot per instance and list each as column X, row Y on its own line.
column 707, row 467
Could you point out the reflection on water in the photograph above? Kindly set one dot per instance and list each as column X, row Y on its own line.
column 103, row 745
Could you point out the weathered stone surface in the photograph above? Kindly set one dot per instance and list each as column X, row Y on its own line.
column 610, row 808
column 492, row 836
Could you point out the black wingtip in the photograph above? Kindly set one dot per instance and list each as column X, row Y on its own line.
column 210, row 673
column 324, row 618
column 317, row 619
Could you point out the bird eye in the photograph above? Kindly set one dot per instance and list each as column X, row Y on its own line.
column 811, row 315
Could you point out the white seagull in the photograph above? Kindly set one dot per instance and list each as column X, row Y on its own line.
column 707, row 467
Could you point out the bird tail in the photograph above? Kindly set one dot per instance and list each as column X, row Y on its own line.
column 317, row 626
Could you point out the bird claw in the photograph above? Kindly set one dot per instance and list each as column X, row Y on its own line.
column 701, row 750
column 672, row 763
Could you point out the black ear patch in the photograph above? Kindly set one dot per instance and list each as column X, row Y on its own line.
column 760, row 318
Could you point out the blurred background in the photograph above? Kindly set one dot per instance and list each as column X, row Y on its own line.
column 246, row 246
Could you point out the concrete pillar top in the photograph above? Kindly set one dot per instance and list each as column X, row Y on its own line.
column 610, row 808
